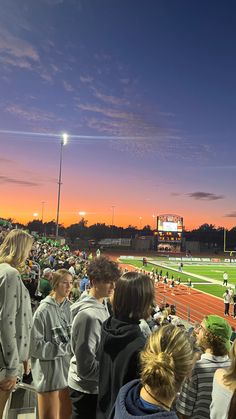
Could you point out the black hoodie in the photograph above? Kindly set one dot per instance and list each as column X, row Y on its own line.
column 121, row 343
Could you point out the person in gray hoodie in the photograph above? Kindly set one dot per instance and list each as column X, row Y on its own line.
column 50, row 349
column 88, row 315
column 15, row 311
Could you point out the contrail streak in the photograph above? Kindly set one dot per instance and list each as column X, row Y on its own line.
column 71, row 136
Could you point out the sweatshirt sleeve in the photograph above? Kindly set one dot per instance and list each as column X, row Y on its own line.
column 10, row 294
column 42, row 349
column 86, row 336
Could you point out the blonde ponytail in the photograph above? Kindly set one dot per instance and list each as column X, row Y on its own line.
column 166, row 361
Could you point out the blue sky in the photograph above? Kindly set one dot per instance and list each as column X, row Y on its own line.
column 152, row 83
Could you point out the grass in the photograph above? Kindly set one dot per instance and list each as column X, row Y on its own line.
column 149, row 267
column 212, row 272
column 213, row 289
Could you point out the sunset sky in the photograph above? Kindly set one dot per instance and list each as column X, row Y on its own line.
column 145, row 90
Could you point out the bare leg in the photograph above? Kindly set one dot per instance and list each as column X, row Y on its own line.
column 65, row 406
column 48, row 405
column 26, row 365
column 4, row 396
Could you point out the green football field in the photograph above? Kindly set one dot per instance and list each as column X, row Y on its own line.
column 208, row 271
column 213, row 271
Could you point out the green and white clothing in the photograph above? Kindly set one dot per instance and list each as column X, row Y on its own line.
column 44, row 287
column 15, row 320
column 50, row 347
column 195, row 396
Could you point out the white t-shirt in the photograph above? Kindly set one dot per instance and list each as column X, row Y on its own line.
column 227, row 297
column 221, row 398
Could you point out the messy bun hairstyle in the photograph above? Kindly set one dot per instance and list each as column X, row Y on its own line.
column 166, row 361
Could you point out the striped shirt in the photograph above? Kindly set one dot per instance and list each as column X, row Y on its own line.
column 195, row 396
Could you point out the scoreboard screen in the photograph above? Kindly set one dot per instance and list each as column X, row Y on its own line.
column 170, row 223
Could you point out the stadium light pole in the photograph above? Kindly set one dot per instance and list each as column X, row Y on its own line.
column 64, row 141
column 112, row 219
column 82, row 214
column 43, row 230
column 43, row 202
column 154, row 222
column 140, row 221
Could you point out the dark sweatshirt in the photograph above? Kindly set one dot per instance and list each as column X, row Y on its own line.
column 129, row 405
column 119, row 350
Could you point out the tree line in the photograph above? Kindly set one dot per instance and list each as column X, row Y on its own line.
column 205, row 233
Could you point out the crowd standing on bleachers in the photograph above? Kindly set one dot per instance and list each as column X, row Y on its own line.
column 97, row 333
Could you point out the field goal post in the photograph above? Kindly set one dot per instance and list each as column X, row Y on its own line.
column 231, row 252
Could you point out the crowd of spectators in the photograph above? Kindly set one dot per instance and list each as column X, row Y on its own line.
column 97, row 345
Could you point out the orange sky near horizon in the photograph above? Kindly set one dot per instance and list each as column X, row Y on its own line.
column 22, row 209
column 150, row 114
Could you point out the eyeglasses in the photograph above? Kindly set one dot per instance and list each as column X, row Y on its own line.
column 200, row 327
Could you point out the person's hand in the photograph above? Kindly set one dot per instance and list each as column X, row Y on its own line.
column 8, row 384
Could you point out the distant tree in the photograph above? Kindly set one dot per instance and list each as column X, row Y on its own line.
column 50, row 228
column 78, row 230
column 35, row 225
column 99, row 231
column 146, row 231
column 130, row 231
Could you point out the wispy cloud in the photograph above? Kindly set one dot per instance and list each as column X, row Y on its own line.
column 109, row 99
column 16, row 51
column 86, row 79
column 112, row 113
column 145, row 128
column 222, row 167
column 205, row 196
column 31, row 114
column 6, row 179
column 125, row 81
column 3, row 160
column 231, row 214
column 67, row 86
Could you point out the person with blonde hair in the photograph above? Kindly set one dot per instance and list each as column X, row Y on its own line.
column 50, row 349
column 223, row 405
column 166, row 361
column 15, row 311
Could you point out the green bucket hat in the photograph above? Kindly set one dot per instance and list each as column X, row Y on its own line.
column 219, row 327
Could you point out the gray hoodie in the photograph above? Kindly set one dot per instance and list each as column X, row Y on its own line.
column 15, row 320
column 50, row 348
column 88, row 315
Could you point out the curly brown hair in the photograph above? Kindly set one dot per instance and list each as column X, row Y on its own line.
column 215, row 343
column 103, row 270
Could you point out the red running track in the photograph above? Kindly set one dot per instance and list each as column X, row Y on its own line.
column 200, row 303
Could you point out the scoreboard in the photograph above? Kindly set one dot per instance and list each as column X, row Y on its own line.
column 169, row 232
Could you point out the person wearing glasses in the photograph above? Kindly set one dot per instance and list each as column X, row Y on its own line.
column 213, row 336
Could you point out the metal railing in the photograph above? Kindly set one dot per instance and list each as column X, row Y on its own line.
column 183, row 311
